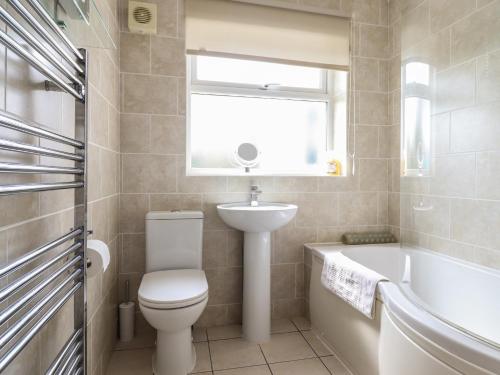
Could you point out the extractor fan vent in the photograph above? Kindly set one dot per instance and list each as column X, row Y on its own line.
column 142, row 17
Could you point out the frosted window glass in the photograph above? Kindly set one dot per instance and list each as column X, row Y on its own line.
column 290, row 134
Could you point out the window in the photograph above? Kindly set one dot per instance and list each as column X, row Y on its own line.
column 294, row 115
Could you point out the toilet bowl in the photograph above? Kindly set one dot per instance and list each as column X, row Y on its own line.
column 171, row 302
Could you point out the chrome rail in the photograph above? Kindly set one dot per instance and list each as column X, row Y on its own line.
column 7, row 145
column 10, row 43
column 36, row 285
column 31, row 188
column 19, row 262
column 7, row 358
column 74, row 364
column 29, row 296
column 13, row 287
column 26, row 168
column 64, row 352
column 44, row 34
column 10, row 121
column 67, row 360
column 40, row 10
column 38, row 46
column 24, row 321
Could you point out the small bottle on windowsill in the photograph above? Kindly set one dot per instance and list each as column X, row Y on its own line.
column 334, row 167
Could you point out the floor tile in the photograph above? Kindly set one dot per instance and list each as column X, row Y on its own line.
column 145, row 338
column 234, row 353
column 224, row 332
column 253, row 370
column 199, row 334
column 282, row 326
column 319, row 348
column 303, row 324
column 131, row 362
column 287, row 347
column 335, row 366
column 306, row 366
column 202, row 357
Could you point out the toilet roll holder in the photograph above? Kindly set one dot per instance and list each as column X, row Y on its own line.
column 89, row 262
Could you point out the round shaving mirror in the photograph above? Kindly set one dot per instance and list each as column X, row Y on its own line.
column 247, row 155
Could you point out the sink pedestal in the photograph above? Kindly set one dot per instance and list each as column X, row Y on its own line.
column 257, row 287
column 257, row 222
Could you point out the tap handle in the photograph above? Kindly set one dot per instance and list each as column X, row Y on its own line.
column 254, row 187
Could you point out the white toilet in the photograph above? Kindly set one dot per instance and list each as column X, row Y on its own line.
column 174, row 290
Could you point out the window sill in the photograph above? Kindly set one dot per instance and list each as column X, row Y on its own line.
column 226, row 172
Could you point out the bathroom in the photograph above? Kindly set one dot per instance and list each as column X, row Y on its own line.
column 365, row 121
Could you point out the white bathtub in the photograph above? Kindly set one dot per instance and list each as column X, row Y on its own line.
column 436, row 316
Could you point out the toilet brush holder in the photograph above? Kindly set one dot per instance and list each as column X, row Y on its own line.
column 127, row 316
column 127, row 320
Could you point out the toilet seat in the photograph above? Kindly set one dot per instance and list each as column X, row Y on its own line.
column 173, row 289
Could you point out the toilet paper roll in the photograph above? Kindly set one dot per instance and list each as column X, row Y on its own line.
column 98, row 256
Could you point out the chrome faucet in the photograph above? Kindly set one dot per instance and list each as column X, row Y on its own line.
column 254, row 195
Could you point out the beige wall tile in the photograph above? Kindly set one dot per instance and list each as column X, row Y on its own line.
column 368, row 11
column 455, row 87
column 475, row 128
column 434, row 50
column 190, row 184
column 135, row 133
column 289, row 243
column 445, row 12
column 415, row 25
column 135, row 53
column 372, row 108
column 149, row 94
column 453, row 175
column 282, row 281
column 487, row 175
column 133, row 209
column 358, row 208
column 225, row 285
column 169, row 202
column 132, row 257
column 373, row 174
column 431, row 215
column 148, row 173
column 374, row 41
column 476, row 222
column 488, row 78
column 317, row 209
column 168, row 56
column 168, row 135
column 328, row 4
column 214, row 249
column 476, row 35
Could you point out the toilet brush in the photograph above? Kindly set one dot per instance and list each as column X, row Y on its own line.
column 127, row 316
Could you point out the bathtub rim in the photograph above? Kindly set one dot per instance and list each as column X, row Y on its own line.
column 429, row 330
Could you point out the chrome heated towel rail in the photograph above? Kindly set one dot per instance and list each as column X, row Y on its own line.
column 35, row 286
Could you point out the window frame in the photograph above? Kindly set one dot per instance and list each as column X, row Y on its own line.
column 195, row 86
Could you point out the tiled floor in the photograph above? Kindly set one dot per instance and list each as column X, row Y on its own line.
column 293, row 350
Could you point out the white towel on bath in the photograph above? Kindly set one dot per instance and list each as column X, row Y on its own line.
column 351, row 281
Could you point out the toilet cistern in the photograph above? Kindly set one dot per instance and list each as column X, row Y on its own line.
column 254, row 195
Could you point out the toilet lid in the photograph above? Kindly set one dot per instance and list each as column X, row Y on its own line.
column 173, row 288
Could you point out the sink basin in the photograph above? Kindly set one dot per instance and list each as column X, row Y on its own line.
column 266, row 217
column 257, row 222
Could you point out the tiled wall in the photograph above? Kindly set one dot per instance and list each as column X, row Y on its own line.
column 153, row 164
column 460, row 40
column 29, row 220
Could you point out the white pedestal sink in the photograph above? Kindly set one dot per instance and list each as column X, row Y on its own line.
column 257, row 222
